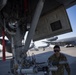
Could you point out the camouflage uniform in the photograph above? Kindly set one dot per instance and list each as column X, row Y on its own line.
column 54, row 60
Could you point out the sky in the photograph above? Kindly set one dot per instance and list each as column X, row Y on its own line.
column 72, row 17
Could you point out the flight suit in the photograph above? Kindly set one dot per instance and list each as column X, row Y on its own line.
column 55, row 62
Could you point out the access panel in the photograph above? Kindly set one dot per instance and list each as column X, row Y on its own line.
column 53, row 23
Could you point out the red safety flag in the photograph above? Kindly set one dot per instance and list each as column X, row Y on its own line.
column 3, row 45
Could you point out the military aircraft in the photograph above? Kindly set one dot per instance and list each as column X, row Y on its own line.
column 41, row 18
column 44, row 44
column 66, row 42
column 40, row 46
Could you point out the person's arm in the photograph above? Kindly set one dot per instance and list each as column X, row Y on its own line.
column 50, row 60
column 67, row 67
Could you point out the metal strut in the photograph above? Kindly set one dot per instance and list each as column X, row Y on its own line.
column 34, row 24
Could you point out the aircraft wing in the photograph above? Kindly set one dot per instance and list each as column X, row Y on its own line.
column 51, row 23
column 52, row 38
column 63, row 42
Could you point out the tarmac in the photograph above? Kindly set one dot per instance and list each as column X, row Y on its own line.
column 41, row 56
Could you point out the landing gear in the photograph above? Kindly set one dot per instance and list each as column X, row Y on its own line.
column 19, row 64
